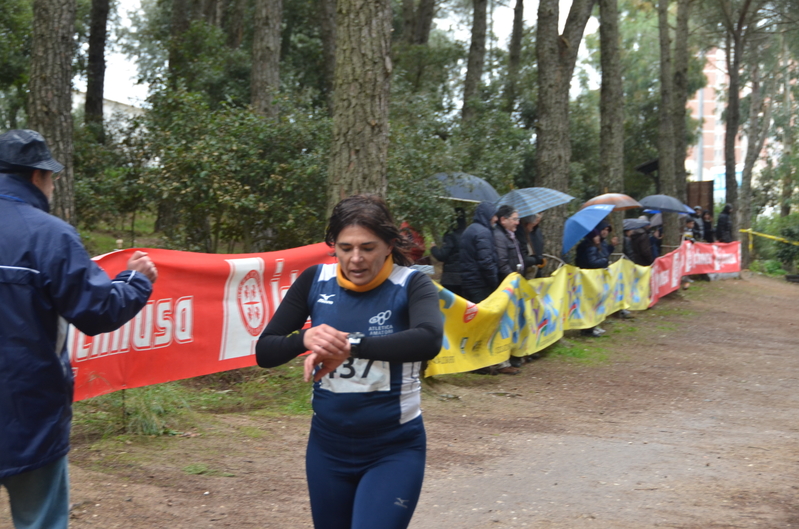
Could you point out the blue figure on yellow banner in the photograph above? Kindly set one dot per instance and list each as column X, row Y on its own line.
column 619, row 290
column 549, row 322
column 599, row 307
column 449, row 299
column 635, row 290
column 507, row 326
column 575, row 293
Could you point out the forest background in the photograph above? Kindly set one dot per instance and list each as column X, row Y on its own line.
column 263, row 113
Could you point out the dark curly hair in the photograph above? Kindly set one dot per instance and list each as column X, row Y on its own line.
column 370, row 212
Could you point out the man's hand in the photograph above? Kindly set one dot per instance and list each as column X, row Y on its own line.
column 141, row 263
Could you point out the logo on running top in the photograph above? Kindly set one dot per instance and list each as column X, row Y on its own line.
column 402, row 503
column 325, row 298
column 381, row 318
column 378, row 324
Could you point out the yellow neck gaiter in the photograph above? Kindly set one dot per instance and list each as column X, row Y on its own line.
column 343, row 282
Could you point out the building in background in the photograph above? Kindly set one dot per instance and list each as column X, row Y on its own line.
column 705, row 160
column 110, row 108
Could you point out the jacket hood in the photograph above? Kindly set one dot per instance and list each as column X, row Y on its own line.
column 16, row 187
column 483, row 213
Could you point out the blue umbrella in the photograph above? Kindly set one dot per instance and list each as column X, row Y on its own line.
column 582, row 222
column 665, row 203
column 466, row 187
column 531, row 200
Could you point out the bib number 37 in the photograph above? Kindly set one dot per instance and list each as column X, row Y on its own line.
column 359, row 375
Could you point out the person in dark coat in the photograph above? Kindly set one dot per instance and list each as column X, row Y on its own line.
column 47, row 281
column 724, row 225
column 699, row 228
column 591, row 254
column 450, row 255
column 609, row 244
column 641, row 247
column 509, row 255
column 531, row 243
column 479, row 266
column 707, row 224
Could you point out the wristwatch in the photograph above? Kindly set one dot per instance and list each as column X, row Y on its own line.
column 355, row 340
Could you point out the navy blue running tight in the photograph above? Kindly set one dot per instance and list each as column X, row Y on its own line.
column 365, row 482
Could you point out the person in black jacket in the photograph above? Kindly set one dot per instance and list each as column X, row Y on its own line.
column 509, row 254
column 707, row 224
column 450, row 255
column 591, row 253
column 531, row 243
column 724, row 225
column 479, row 267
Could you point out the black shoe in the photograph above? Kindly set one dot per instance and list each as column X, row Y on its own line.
column 515, row 361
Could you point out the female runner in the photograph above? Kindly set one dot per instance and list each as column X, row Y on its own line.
column 374, row 321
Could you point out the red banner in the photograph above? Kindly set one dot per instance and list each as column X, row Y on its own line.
column 692, row 258
column 207, row 311
column 204, row 316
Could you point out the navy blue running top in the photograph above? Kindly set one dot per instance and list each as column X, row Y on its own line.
column 402, row 325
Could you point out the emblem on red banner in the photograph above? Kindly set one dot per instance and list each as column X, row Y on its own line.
column 252, row 303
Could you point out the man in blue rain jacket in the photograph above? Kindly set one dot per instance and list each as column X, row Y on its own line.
column 47, row 280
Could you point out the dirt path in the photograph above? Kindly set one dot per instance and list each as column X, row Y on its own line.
column 689, row 422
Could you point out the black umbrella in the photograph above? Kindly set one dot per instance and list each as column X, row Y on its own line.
column 634, row 224
column 665, row 203
column 466, row 187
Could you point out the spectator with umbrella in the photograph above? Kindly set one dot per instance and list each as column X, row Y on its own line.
column 640, row 248
column 591, row 254
column 450, row 254
column 531, row 242
column 479, row 267
column 509, row 255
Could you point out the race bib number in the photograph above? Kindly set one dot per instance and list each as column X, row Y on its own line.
column 358, row 375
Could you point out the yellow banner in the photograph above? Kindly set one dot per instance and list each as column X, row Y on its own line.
column 522, row 317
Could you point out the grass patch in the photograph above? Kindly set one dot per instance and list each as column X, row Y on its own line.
column 174, row 407
column 584, row 351
column 624, row 328
column 769, row 267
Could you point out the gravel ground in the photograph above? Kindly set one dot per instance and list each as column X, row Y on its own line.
column 687, row 419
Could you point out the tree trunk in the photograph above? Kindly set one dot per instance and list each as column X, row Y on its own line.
column 733, row 52
column 680, row 65
column 50, row 92
column 179, row 24
column 477, row 53
column 757, row 130
column 95, row 69
column 265, row 81
column 424, row 21
column 611, row 107
column 666, row 140
column 234, row 24
column 327, row 32
column 514, row 56
column 408, row 18
column 359, row 144
column 556, row 56
column 788, row 137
